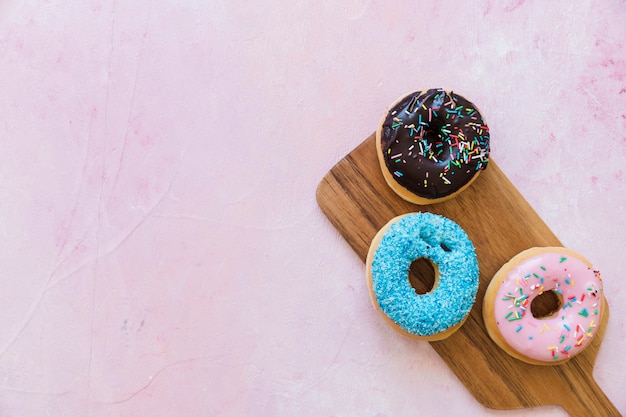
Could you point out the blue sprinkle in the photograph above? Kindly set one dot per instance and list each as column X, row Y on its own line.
column 452, row 299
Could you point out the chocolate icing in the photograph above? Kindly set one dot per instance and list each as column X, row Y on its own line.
column 434, row 142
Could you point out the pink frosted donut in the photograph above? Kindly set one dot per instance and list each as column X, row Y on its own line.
column 562, row 334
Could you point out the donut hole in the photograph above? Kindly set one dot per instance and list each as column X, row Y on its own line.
column 546, row 305
column 423, row 275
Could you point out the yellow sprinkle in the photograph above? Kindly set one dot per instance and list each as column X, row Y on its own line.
column 546, row 326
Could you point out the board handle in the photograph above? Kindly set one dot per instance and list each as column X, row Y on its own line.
column 592, row 402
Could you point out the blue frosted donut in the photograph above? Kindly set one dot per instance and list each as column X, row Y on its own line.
column 438, row 313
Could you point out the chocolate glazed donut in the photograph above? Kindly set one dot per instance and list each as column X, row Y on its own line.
column 432, row 145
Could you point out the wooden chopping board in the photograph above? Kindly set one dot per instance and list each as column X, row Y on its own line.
column 501, row 223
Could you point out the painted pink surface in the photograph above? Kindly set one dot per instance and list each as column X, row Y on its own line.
column 162, row 250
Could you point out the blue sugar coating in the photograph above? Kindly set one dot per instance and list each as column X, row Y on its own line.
column 420, row 235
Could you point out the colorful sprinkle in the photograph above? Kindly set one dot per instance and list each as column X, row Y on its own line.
column 452, row 152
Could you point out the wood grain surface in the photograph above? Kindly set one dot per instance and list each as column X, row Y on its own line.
column 358, row 202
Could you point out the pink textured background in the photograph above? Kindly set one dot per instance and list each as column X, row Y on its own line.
column 162, row 253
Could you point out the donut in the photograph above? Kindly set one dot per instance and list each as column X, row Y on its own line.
column 557, row 336
column 432, row 145
column 404, row 239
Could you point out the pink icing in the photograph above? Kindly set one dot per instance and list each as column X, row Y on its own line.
column 565, row 333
